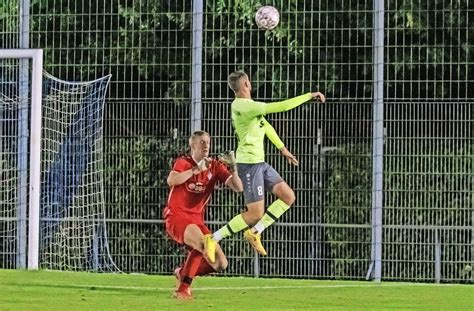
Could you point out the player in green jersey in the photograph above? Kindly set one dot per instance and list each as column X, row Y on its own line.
column 251, row 127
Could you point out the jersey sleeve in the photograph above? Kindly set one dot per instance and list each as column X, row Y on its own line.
column 272, row 134
column 255, row 109
column 181, row 165
column 222, row 173
column 287, row 104
column 261, row 109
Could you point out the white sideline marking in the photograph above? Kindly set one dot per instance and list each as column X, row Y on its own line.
column 269, row 287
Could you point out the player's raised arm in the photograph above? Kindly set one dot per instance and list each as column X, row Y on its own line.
column 293, row 102
column 178, row 176
column 234, row 182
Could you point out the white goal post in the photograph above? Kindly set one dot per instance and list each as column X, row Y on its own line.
column 36, row 55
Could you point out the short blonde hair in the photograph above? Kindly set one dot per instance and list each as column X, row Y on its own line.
column 197, row 134
column 234, row 80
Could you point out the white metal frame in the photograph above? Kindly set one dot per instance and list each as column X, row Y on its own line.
column 378, row 137
column 196, row 74
column 35, row 147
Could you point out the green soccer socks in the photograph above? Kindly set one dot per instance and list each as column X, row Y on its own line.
column 274, row 211
column 235, row 225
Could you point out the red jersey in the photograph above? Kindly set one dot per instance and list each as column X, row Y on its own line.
column 192, row 195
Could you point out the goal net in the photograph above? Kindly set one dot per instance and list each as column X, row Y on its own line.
column 9, row 166
column 72, row 230
column 51, row 169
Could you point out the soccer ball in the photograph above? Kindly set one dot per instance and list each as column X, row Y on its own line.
column 267, row 17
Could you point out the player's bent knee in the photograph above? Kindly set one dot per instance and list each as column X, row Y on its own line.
column 290, row 197
column 284, row 193
column 221, row 265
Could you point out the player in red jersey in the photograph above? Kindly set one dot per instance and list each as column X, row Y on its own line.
column 192, row 180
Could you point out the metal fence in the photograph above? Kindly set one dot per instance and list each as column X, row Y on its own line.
column 165, row 82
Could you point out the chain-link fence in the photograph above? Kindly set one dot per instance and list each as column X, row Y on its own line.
column 150, row 48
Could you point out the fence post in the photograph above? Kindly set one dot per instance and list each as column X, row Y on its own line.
column 23, row 93
column 196, row 83
column 471, row 266
column 256, row 265
column 437, row 257
column 378, row 137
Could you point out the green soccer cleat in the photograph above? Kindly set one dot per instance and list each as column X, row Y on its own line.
column 255, row 241
column 209, row 247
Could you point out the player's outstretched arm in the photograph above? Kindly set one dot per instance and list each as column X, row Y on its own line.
column 293, row 102
column 234, row 182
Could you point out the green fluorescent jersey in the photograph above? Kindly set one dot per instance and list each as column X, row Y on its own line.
column 251, row 127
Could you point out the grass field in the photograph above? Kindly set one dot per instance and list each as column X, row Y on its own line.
column 45, row 290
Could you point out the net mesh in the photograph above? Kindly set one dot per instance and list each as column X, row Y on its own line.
column 73, row 235
column 13, row 195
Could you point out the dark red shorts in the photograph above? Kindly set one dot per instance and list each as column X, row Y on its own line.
column 176, row 225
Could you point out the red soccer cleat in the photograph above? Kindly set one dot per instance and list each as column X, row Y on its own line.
column 178, row 276
column 183, row 294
